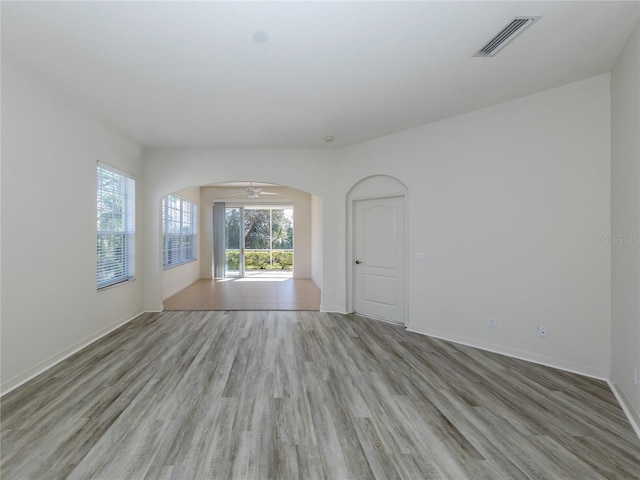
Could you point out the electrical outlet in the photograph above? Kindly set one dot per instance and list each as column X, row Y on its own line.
column 493, row 323
column 543, row 332
column 634, row 376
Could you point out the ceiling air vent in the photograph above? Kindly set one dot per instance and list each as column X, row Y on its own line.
column 504, row 36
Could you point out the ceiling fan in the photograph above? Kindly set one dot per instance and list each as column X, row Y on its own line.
column 251, row 192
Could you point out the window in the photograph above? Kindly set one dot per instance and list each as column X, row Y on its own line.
column 116, row 202
column 179, row 229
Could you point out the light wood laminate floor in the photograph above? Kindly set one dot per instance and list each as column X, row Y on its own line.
column 287, row 395
column 257, row 292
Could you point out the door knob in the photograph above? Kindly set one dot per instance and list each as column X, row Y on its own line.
column 358, row 262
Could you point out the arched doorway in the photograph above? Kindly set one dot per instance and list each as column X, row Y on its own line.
column 377, row 248
column 273, row 290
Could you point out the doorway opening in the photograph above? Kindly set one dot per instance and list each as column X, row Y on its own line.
column 259, row 241
column 274, row 277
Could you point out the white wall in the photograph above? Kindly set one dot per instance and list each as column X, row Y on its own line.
column 625, row 224
column 312, row 171
column 316, row 240
column 301, row 202
column 50, row 305
column 176, row 278
column 510, row 205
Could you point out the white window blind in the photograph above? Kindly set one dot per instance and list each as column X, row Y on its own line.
column 116, row 227
column 179, row 231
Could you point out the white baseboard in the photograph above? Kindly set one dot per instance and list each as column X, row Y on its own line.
column 179, row 289
column 510, row 352
column 23, row 378
column 332, row 309
column 627, row 408
column 625, row 404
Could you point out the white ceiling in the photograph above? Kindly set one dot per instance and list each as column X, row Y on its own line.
column 191, row 74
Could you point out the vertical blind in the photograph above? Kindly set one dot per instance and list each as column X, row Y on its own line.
column 116, row 194
column 179, row 231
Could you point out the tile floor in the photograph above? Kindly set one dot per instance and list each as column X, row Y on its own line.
column 249, row 293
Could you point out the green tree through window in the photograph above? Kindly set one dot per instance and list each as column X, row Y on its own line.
column 268, row 238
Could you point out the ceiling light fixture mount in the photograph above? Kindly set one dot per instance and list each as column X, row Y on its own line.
column 260, row 37
column 328, row 138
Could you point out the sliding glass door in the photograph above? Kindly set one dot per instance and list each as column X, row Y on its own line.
column 258, row 240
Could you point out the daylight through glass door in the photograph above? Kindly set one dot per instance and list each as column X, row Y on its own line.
column 266, row 243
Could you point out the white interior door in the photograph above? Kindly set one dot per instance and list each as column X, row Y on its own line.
column 379, row 258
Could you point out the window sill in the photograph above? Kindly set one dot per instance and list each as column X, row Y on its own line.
column 169, row 267
column 116, row 284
